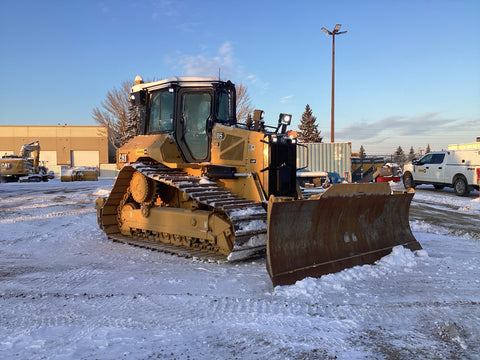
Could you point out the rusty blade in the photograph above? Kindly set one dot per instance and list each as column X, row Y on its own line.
column 348, row 225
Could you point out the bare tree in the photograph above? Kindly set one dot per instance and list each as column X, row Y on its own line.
column 244, row 106
column 118, row 115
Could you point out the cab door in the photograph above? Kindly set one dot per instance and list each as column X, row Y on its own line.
column 422, row 168
column 437, row 168
column 194, row 130
column 430, row 168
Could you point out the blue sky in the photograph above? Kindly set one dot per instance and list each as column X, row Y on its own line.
column 407, row 72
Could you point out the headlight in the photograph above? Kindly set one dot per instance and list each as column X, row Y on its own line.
column 285, row 119
column 258, row 115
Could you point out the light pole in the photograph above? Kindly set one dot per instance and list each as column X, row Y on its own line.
column 333, row 33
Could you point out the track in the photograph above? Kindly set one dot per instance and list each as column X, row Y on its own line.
column 248, row 218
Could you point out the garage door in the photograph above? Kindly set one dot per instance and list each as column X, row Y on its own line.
column 48, row 158
column 85, row 158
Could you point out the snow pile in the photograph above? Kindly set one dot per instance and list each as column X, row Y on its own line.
column 101, row 192
column 422, row 226
column 399, row 260
column 206, row 181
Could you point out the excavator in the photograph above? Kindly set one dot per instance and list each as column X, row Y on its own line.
column 197, row 183
column 24, row 167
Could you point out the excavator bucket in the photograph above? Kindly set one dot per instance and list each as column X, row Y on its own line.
column 347, row 225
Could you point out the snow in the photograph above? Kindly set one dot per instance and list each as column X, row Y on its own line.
column 67, row 292
column 465, row 204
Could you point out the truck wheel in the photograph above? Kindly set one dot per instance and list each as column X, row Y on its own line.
column 460, row 187
column 408, row 181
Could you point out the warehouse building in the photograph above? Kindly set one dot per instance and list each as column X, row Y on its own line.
column 61, row 145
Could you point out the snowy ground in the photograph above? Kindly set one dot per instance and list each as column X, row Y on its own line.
column 66, row 292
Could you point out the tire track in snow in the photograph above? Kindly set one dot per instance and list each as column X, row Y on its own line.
column 46, row 216
column 181, row 307
column 44, row 205
column 338, row 324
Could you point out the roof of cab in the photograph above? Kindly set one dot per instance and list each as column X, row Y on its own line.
column 180, row 80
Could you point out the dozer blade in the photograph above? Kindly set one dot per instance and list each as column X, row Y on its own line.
column 348, row 225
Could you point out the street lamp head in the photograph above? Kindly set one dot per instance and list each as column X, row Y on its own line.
column 326, row 31
column 337, row 27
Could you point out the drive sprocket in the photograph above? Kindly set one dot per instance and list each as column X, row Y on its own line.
column 142, row 188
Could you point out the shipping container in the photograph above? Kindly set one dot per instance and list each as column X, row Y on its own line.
column 332, row 158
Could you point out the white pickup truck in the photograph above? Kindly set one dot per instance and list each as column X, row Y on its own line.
column 459, row 169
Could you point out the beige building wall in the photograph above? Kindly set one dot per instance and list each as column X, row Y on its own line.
column 63, row 143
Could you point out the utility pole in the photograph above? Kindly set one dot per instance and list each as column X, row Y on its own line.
column 333, row 33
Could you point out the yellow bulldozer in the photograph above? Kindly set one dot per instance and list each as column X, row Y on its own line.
column 198, row 184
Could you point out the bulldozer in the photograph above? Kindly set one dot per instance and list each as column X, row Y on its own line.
column 24, row 167
column 197, row 183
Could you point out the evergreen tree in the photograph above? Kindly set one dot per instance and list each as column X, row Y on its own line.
column 309, row 132
column 249, row 121
column 132, row 126
column 428, row 149
column 411, row 154
column 399, row 156
column 362, row 152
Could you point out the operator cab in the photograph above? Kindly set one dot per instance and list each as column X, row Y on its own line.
column 186, row 108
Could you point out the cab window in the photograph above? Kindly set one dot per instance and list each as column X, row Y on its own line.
column 438, row 158
column 161, row 112
column 427, row 159
column 223, row 107
column 196, row 112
